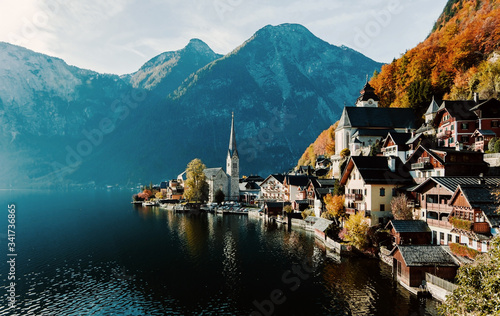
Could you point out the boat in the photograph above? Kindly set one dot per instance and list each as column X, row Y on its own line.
column 150, row 203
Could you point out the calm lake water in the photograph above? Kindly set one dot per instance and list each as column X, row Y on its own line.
column 93, row 253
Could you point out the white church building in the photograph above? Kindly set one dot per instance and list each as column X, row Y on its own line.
column 228, row 181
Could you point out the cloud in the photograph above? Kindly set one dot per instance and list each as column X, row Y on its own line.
column 118, row 36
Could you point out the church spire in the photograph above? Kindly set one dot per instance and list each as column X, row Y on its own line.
column 232, row 139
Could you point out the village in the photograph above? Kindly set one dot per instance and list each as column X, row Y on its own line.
column 424, row 197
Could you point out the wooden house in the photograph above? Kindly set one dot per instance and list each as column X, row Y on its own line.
column 410, row 232
column 411, row 262
column 474, row 216
column 395, row 144
column 481, row 139
column 426, row 162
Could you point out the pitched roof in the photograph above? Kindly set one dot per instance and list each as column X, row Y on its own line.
column 414, row 138
column 279, row 177
column 409, row 226
column 367, row 93
column 480, row 196
column 433, row 107
column 484, row 132
column 298, row 180
column 212, row 172
column 322, row 224
column 369, row 117
column 232, row 151
column 489, row 102
column 459, row 109
column 425, row 255
column 452, row 183
column 375, row 170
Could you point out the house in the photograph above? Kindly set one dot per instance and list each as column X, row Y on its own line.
column 274, row 209
column 409, row 232
column 295, row 187
column 371, row 183
column 365, row 124
column 474, row 216
column 272, row 188
column 481, row 139
column 249, row 191
column 217, row 179
column 488, row 115
column 411, row 262
column 395, row 144
column 455, row 123
column 316, row 190
column 433, row 197
column 175, row 190
column 426, row 162
column 320, row 227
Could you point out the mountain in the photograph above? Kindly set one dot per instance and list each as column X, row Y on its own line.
column 65, row 125
column 458, row 58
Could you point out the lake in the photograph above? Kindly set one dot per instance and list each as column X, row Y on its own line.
column 93, row 253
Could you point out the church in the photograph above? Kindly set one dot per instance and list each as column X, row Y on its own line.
column 228, row 181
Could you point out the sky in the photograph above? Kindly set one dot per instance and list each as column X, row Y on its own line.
column 119, row 36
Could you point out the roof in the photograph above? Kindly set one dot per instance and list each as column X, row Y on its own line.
column 426, row 255
column 375, row 170
column 452, row 183
column 399, row 138
column 212, row 172
column 373, row 132
column 480, row 196
column 484, row 132
column 276, row 204
column 367, row 93
column 311, row 219
column 409, row 226
column 298, row 180
column 413, row 139
column 279, row 177
column 433, row 107
column 163, row 185
column 489, row 102
column 459, row 109
column 322, row 224
column 371, row 117
column 326, row 182
column 232, row 151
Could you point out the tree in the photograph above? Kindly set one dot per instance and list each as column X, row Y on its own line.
column 356, row 230
column 219, row 196
column 338, row 189
column 478, row 291
column 159, row 195
column 400, row 208
column 491, row 144
column 335, row 208
column 344, row 153
column 306, row 213
column 496, row 147
column 288, row 209
column 196, row 187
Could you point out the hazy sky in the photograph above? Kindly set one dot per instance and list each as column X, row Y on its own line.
column 118, row 36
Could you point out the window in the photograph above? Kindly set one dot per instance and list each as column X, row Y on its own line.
column 465, row 125
column 449, row 238
column 453, row 127
column 457, row 239
column 465, row 139
column 399, row 268
column 494, row 123
column 382, row 192
column 438, row 173
column 382, row 207
column 365, row 192
column 441, row 236
column 393, row 192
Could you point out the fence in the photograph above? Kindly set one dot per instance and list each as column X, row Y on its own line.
column 437, row 281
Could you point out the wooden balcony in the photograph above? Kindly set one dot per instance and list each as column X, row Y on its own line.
column 444, row 135
column 438, row 223
column 481, row 227
column 355, row 197
column 351, row 211
column 438, row 207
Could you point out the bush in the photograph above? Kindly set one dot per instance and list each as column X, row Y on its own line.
column 463, row 251
column 308, row 212
column 461, row 223
column 496, row 147
column 491, row 144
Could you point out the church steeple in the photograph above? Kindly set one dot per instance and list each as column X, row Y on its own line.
column 232, row 165
column 232, row 140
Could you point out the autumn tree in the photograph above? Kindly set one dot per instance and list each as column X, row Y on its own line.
column 335, row 209
column 400, row 208
column 478, row 291
column 356, row 230
column 196, row 187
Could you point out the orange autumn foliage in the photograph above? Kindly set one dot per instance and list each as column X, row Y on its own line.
column 323, row 145
column 464, row 37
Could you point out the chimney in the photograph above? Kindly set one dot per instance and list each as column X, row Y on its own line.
column 391, row 162
column 481, row 179
column 476, row 97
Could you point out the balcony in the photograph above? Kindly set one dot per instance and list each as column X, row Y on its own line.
column 355, row 197
column 444, row 135
column 351, row 211
column 421, row 165
column 438, row 223
column 481, row 227
column 438, row 207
